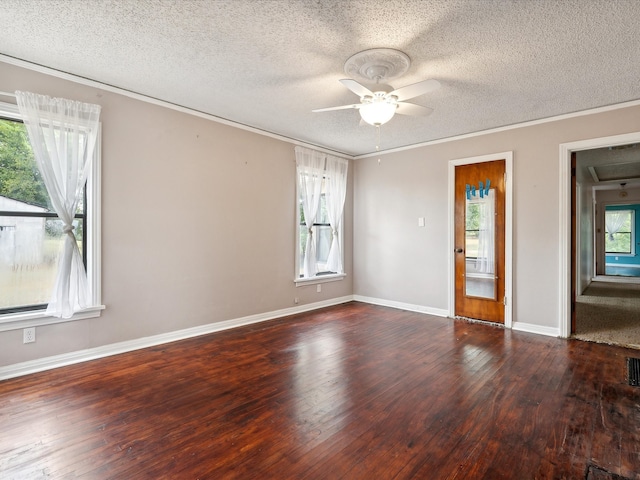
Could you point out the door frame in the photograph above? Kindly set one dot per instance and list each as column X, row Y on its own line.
column 567, row 264
column 508, row 229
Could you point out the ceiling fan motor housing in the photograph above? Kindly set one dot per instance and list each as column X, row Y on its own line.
column 377, row 65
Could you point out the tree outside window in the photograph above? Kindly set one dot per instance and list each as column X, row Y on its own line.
column 31, row 234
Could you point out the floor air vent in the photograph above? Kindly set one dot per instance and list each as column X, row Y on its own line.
column 596, row 473
column 633, row 371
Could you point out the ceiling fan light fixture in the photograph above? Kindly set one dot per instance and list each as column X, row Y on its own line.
column 379, row 105
column 377, row 113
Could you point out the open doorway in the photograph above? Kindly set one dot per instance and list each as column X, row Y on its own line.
column 603, row 260
column 611, row 176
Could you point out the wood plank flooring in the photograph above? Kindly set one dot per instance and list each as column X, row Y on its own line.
column 349, row 392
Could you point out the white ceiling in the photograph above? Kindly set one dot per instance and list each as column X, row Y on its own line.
column 268, row 63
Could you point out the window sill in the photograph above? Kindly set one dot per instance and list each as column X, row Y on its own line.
column 36, row 318
column 319, row 279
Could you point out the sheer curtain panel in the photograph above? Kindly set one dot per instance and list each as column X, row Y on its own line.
column 63, row 136
column 614, row 221
column 336, row 178
column 485, row 262
column 310, row 168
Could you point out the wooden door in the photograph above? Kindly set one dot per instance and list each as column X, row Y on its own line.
column 480, row 241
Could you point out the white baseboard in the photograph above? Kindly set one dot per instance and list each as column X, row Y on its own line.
column 538, row 329
column 523, row 327
column 48, row 363
column 402, row 306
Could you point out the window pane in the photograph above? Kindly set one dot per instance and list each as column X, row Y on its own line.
column 323, row 237
column 322, row 215
column 304, row 233
column 620, row 240
column 29, row 250
column 472, row 229
column 323, row 244
column 20, row 179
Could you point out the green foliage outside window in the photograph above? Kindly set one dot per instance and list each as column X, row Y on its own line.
column 620, row 242
column 19, row 175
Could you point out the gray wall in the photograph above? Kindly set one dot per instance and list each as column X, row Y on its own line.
column 198, row 224
column 170, row 178
column 585, row 251
column 396, row 260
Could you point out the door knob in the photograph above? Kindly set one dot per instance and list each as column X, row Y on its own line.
column 458, row 250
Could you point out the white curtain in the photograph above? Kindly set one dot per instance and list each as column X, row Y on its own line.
column 310, row 168
column 614, row 221
column 63, row 136
column 336, row 190
column 486, row 236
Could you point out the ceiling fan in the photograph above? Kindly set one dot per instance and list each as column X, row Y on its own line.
column 379, row 105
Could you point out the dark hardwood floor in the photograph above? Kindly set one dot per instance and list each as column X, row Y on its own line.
column 353, row 391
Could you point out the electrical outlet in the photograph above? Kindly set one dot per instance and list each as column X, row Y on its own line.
column 295, row 300
column 29, row 335
column 319, row 288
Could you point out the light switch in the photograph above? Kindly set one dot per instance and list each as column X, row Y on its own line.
column 421, row 221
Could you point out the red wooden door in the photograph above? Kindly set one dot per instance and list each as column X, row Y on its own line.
column 480, row 241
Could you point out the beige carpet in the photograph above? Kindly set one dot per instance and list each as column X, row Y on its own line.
column 609, row 313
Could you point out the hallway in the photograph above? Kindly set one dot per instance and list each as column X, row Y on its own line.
column 609, row 312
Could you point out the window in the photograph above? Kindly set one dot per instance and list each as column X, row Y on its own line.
column 31, row 234
column 619, row 228
column 472, row 229
column 322, row 235
column 321, row 192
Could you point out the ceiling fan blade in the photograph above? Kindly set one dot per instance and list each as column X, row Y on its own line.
column 341, row 107
column 356, row 88
column 413, row 109
column 416, row 89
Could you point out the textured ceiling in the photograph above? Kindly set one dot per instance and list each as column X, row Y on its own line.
column 268, row 63
column 617, row 172
column 610, row 165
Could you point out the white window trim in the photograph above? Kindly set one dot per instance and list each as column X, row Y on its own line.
column 327, row 277
column 322, row 278
column 35, row 318
column 633, row 234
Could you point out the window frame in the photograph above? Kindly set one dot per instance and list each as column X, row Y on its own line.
column 632, row 228
column 91, row 242
column 320, row 277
